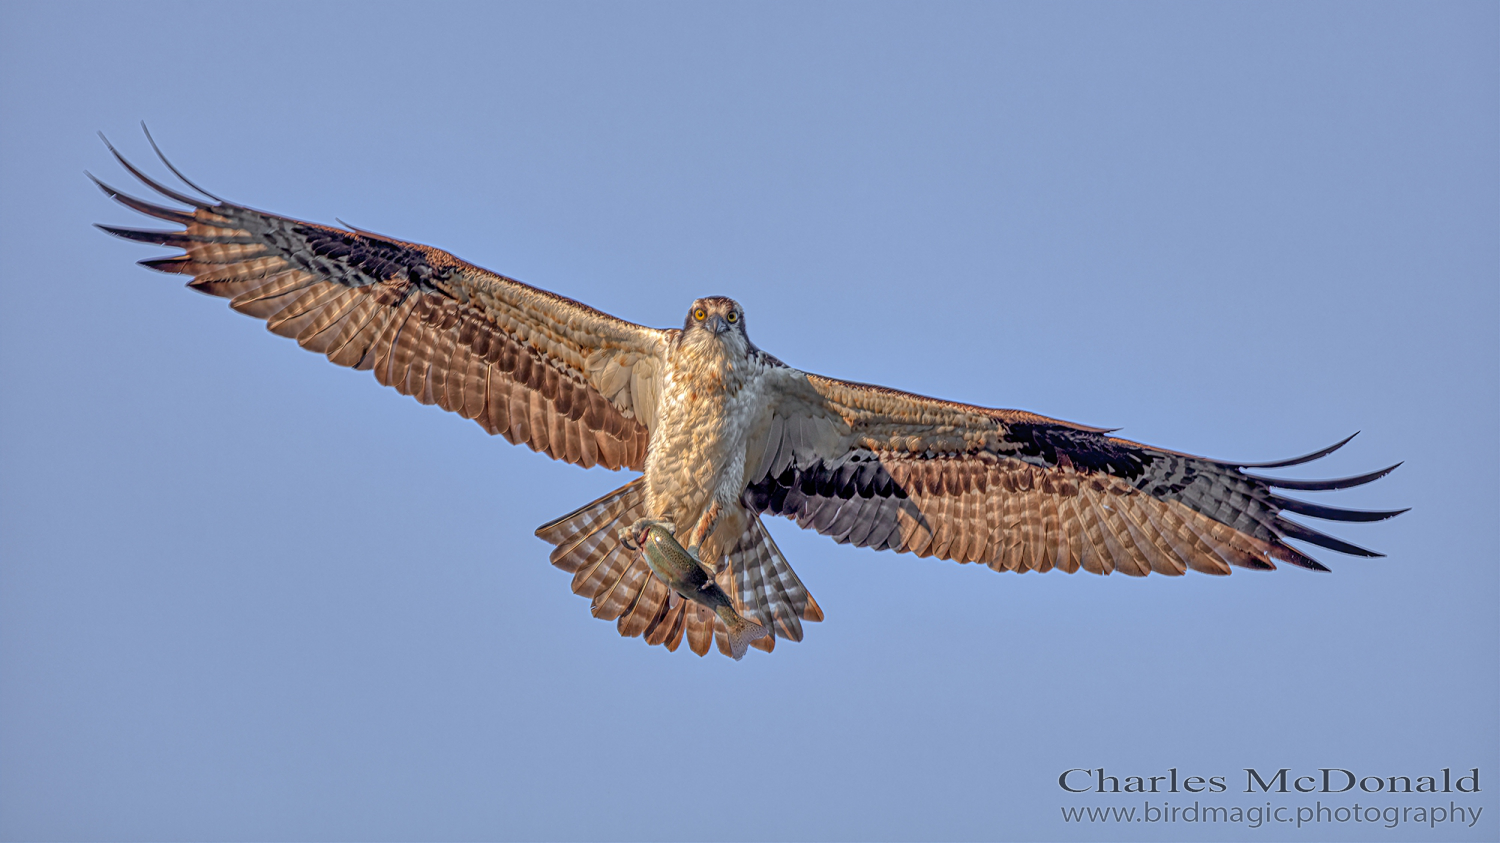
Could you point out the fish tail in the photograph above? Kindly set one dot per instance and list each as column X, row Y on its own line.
column 741, row 630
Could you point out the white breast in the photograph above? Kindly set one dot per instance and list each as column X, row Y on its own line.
column 706, row 409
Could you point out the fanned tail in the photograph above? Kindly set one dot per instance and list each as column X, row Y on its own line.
column 770, row 600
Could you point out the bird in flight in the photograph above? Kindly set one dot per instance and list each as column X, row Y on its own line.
column 724, row 433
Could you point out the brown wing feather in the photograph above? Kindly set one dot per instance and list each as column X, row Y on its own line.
column 1015, row 491
column 523, row 363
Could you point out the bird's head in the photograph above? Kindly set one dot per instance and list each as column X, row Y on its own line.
column 716, row 319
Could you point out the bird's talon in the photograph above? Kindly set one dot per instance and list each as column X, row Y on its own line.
column 628, row 535
column 627, row 540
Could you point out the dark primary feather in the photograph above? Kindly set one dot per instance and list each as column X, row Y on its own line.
column 158, row 211
column 1305, row 458
column 1293, row 530
column 148, row 181
column 1333, row 513
column 176, row 172
column 1322, row 485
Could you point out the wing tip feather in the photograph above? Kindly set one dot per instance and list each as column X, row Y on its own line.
column 1293, row 530
column 150, row 182
column 1334, row 513
column 1305, row 458
column 178, row 265
column 1323, row 485
column 176, row 172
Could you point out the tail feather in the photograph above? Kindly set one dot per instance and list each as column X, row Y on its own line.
column 622, row 588
column 765, row 588
column 650, row 608
column 593, row 520
column 675, row 626
column 666, row 628
column 770, row 599
column 699, row 624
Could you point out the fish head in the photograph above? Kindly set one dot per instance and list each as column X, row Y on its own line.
column 654, row 534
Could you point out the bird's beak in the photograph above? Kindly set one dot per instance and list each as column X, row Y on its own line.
column 718, row 324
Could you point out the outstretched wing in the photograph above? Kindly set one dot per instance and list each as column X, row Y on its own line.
column 880, row 468
column 534, row 367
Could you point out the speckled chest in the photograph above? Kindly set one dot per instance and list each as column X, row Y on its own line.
column 707, row 406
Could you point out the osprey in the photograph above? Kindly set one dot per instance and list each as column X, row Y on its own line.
column 724, row 433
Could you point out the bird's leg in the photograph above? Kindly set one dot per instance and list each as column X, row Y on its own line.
column 628, row 534
column 703, row 528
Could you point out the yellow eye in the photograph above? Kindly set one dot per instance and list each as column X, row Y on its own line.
column 733, row 317
column 700, row 314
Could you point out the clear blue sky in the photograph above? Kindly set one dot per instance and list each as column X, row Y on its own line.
column 247, row 594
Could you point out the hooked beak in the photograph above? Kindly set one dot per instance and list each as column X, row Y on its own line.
column 717, row 324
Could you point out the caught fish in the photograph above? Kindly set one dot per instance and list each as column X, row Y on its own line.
column 679, row 570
